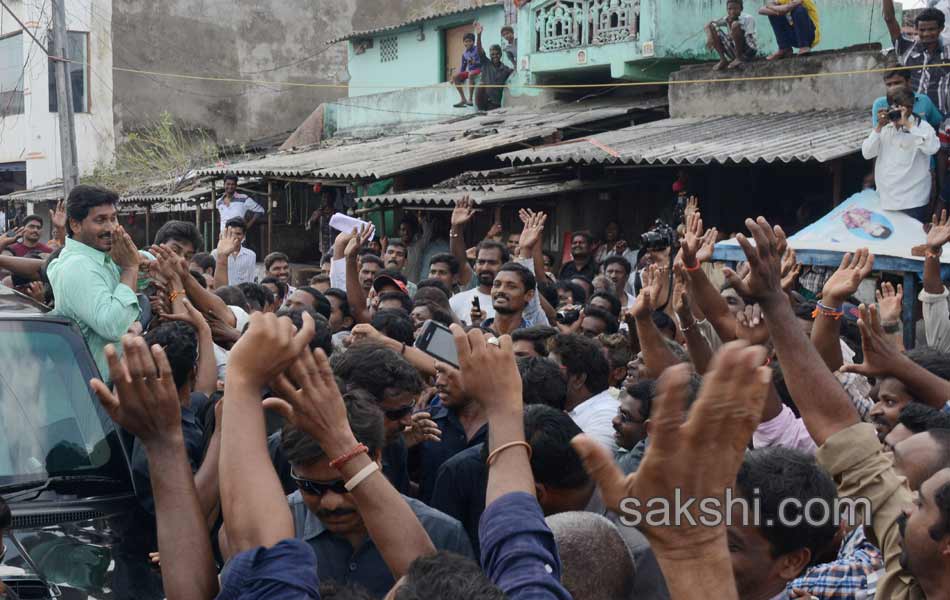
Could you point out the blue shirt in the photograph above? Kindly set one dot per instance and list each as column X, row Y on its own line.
column 286, row 571
column 337, row 561
column 923, row 107
column 433, row 454
column 518, row 550
column 471, row 60
column 460, row 488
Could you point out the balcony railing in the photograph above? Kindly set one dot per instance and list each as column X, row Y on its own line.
column 568, row 24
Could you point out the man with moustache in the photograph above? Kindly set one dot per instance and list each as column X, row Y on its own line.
column 489, row 259
column 512, row 291
column 95, row 276
column 326, row 517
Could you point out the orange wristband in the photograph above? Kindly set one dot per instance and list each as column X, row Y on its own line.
column 339, row 461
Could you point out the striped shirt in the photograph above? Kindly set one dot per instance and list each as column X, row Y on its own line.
column 242, row 267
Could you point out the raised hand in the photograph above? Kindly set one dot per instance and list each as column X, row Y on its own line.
column 58, row 216
column 463, row 212
column 228, row 243
column 423, row 429
column 939, row 233
column 693, row 240
column 890, row 303
column 124, row 252
column 692, row 206
column 147, row 403
column 283, row 344
column 695, row 458
column 750, row 325
column 191, row 315
column 643, row 306
column 494, row 231
column 845, row 281
column 707, row 246
column 790, row 270
column 167, row 266
column 533, row 228
column 364, row 332
column 680, row 297
column 880, row 354
column 358, row 239
column 764, row 282
column 489, row 371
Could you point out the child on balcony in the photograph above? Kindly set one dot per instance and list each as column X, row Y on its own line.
column 733, row 37
column 511, row 44
column 796, row 25
column 471, row 67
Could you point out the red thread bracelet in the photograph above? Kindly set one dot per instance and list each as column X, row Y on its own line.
column 691, row 269
column 339, row 461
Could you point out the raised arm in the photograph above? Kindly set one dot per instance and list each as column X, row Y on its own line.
column 206, row 371
column 696, row 343
column 890, row 19
column 147, row 406
column 24, row 267
column 696, row 458
column 255, row 515
column 204, row 300
column 656, row 354
column 696, row 248
column 461, row 216
column 355, row 295
column 228, row 244
column 311, row 401
column 823, row 403
column 839, row 287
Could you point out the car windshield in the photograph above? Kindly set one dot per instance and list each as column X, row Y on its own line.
column 50, row 420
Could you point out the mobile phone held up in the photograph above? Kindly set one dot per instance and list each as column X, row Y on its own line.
column 476, row 305
column 435, row 339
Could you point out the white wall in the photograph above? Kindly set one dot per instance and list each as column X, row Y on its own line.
column 34, row 136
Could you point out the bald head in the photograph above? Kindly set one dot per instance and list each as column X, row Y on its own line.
column 595, row 561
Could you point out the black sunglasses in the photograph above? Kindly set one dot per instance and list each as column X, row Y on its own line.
column 319, row 488
column 399, row 413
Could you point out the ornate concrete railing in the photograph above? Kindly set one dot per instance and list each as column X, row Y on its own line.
column 569, row 24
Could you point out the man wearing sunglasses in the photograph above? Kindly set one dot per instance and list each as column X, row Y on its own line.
column 326, row 516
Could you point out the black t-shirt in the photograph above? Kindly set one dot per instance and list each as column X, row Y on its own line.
column 490, row 98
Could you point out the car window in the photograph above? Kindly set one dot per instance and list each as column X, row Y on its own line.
column 50, row 419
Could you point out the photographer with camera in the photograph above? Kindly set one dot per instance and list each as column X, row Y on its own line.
column 656, row 248
column 903, row 143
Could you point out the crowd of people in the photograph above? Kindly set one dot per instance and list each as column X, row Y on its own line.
column 602, row 430
column 295, row 441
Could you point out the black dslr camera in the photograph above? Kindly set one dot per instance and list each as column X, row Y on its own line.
column 658, row 238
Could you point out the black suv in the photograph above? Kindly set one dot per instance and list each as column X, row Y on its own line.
column 78, row 530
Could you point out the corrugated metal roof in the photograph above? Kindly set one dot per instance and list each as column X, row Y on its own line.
column 422, row 147
column 816, row 135
column 447, row 13
column 44, row 193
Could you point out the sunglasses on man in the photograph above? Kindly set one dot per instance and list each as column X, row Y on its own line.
column 399, row 413
column 318, row 488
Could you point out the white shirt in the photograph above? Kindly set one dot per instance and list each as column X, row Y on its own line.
column 595, row 417
column 239, row 206
column 902, row 170
column 242, row 267
column 461, row 305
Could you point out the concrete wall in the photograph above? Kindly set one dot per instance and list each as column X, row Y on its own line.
column 783, row 95
column 33, row 136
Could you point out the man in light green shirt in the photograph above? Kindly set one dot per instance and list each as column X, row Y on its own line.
column 94, row 277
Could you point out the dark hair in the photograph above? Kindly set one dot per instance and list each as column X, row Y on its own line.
column 538, row 335
column 491, row 49
column 236, row 223
column 331, row 590
column 614, row 301
column 663, row 321
column 448, row 259
column 584, row 234
column 397, row 243
column 527, row 277
column 618, row 260
column 322, row 336
column 365, row 419
column 437, row 284
column 393, row 274
column 6, row 517
column 30, row 218
column 438, row 314
column 548, row 291
column 344, row 303
column 180, row 343
column 199, row 277
column 403, row 299
column 550, row 255
column 610, row 321
column 617, row 348
column 395, row 324
column 180, row 231
column 320, row 302
column 257, row 295
column 233, row 296
column 739, row 2
column 583, row 356
column 319, row 278
column 578, row 294
column 469, row 36
column 231, row 177
column 644, row 391
column 204, row 260
column 930, row 15
column 84, row 198
column 914, row 416
column 934, row 361
column 901, row 97
column 446, row 575
column 542, row 382
column 773, row 475
column 373, row 367
column 553, row 460
column 505, row 28
column 942, row 500
column 493, row 245
column 282, row 288
column 372, row 258
column 273, row 257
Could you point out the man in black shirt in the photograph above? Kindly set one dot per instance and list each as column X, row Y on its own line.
column 583, row 262
column 494, row 73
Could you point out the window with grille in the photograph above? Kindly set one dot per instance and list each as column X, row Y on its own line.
column 389, row 49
